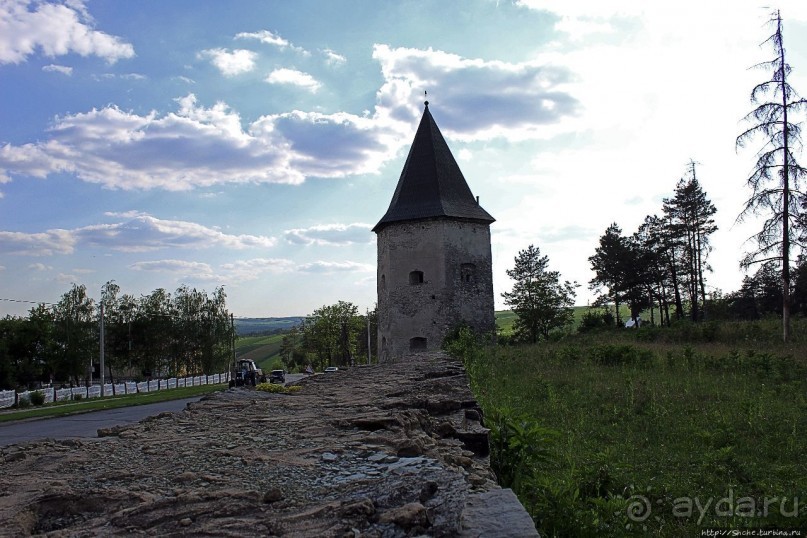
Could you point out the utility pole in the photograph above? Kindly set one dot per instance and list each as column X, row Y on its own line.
column 232, row 343
column 102, row 347
column 369, row 355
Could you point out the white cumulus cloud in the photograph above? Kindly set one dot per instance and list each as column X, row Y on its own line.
column 270, row 38
column 229, row 273
column 63, row 69
column 138, row 233
column 203, row 271
column 54, row 29
column 293, row 77
column 333, row 58
column 230, row 63
column 200, row 146
column 478, row 99
column 335, row 267
column 37, row 244
column 264, row 36
column 330, row 234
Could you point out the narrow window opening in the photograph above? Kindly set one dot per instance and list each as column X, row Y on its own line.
column 417, row 343
column 468, row 273
column 416, row 277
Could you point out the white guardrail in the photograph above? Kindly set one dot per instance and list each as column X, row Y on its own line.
column 9, row 397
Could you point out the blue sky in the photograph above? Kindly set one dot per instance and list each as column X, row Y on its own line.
column 254, row 144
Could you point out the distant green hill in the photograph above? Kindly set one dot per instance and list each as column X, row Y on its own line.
column 247, row 326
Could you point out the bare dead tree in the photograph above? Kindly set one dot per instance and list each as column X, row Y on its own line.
column 775, row 180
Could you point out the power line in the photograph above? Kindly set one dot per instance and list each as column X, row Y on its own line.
column 24, row 301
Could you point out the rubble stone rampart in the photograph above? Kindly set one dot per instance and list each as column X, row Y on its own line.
column 389, row 451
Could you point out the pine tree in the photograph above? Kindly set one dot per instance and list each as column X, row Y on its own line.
column 611, row 266
column 689, row 219
column 541, row 302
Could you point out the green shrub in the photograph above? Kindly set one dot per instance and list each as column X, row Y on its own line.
column 23, row 402
column 38, row 398
column 518, row 448
column 461, row 343
column 569, row 353
column 595, row 319
column 620, row 354
column 277, row 388
column 78, row 397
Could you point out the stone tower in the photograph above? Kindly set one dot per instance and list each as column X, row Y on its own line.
column 434, row 259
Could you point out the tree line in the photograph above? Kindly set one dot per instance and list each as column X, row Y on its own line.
column 661, row 268
column 160, row 334
column 663, row 264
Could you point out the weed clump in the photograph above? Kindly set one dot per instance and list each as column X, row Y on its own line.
column 277, row 389
column 38, row 398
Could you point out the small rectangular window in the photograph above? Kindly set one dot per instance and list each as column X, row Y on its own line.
column 416, row 277
column 468, row 273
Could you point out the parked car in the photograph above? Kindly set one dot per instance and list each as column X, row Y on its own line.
column 277, row 376
column 331, row 369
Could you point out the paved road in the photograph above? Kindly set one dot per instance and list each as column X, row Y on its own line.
column 85, row 424
column 88, row 424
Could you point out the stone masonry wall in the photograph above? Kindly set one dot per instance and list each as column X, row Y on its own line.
column 455, row 259
column 392, row 450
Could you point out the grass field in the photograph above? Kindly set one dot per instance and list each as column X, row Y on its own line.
column 505, row 318
column 264, row 350
column 637, row 432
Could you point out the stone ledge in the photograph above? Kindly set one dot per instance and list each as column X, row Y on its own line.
column 496, row 513
column 390, row 450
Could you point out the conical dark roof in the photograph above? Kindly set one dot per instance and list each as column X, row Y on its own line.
column 431, row 184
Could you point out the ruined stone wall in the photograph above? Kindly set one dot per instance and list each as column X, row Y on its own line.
column 454, row 258
column 392, row 450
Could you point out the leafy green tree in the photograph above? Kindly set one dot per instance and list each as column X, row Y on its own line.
column 26, row 349
column 775, row 181
column 216, row 332
column 153, row 332
column 76, row 333
column 541, row 302
column 292, row 352
column 330, row 333
column 361, row 337
column 116, row 351
column 8, row 373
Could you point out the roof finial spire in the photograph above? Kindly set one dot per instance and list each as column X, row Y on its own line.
column 426, row 93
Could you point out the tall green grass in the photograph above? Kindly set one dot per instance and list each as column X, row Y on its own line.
column 630, row 432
